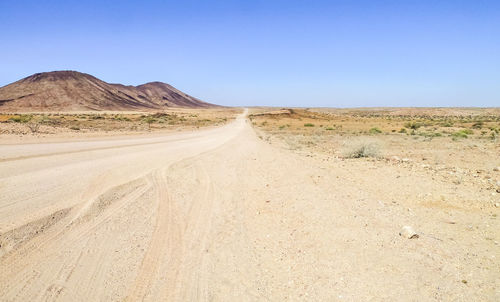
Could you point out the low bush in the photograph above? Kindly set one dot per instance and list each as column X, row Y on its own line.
column 478, row 125
column 447, row 124
column 413, row 125
column 363, row 149
column 464, row 133
column 33, row 126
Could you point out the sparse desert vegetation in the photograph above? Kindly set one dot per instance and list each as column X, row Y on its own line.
column 133, row 178
column 452, row 123
column 433, row 173
column 337, row 195
column 53, row 124
column 459, row 145
column 421, row 134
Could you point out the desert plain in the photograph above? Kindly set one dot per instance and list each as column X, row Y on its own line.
column 256, row 204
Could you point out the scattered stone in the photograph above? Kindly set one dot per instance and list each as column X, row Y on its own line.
column 496, row 169
column 408, row 232
column 497, row 205
column 405, row 160
column 395, row 158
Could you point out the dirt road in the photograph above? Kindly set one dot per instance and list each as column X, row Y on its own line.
column 221, row 215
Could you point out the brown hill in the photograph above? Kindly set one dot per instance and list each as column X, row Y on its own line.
column 74, row 91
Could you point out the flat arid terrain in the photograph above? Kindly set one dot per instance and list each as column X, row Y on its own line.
column 29, row 127
column 258, row 204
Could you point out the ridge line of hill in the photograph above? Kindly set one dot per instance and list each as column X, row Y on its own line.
column 69, row 90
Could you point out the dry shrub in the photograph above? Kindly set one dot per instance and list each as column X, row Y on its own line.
column 361, row 148
column 33, row 126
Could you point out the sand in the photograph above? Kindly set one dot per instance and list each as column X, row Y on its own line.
column 222, row 215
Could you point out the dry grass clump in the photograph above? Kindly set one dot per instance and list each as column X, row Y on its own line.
column 33, row 126
column 361, row 149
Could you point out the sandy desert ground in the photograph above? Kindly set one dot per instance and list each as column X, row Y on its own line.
column 249, row 211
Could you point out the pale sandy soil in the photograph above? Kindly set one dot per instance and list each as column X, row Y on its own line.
column 222, row 215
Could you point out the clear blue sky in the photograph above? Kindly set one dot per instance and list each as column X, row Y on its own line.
column 281, row 53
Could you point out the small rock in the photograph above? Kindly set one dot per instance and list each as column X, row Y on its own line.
column 408, row 232
column 395, row 158
column 496, row 169
column 497, row 205
column 405, row 160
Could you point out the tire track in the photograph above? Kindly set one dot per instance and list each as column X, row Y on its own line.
column 75, row 257
column 24, row 157
column 190, row 283
column 166, row 234
column 178, row 245
column 75, row 230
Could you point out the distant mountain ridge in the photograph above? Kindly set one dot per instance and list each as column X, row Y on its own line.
column 75, row 91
